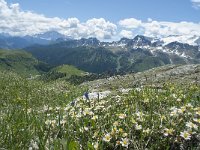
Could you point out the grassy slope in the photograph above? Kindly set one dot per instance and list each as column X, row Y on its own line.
column 180, row 74
column 69, row 70
column 20, row 62
column 35, row 115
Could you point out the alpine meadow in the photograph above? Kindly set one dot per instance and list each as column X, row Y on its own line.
column 95, row 75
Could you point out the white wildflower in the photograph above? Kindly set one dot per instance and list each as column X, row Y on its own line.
column 125, row 142
column 186, row 135
column 107, row 138
column 191, row 125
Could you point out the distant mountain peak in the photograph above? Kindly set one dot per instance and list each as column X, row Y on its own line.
column 92, row 41
column 139, row 41
column 51, row 36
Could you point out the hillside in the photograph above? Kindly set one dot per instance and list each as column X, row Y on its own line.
column 85, row 58
column 21, row 62
column 63, row 72
column 69, row 70
column 156, row 77
column 123, row 109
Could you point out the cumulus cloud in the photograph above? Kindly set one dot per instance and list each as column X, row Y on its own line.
column 130, row 23
column 99, row 28
column 15, row 21
column 161, row 28
column 196, row 3
column 126, row 34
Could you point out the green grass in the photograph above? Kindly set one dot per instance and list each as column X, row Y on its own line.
column 38, row 115
column 20, row 62
column 22, row 117
column 69, row 70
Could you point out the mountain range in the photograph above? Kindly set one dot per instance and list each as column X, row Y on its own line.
column 18, row 42
column 126, row 55
column 91, row 55
column 8, row 41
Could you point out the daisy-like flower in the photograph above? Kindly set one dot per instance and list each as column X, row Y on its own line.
column 186, row 135
column 122, row 116
column 107, row 138
column 96, row 145
column 191, row 125
column 125, row 142
column 138, row 127
column 168, row 132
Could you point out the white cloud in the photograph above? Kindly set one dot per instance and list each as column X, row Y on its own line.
column 196, row 3
column 126, row 33
column 162, row 29
column 99, row 28
column 130, row 23
column 15, row 21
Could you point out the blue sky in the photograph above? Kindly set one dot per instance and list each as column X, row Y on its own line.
column 103, row 19
column 114, row 10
